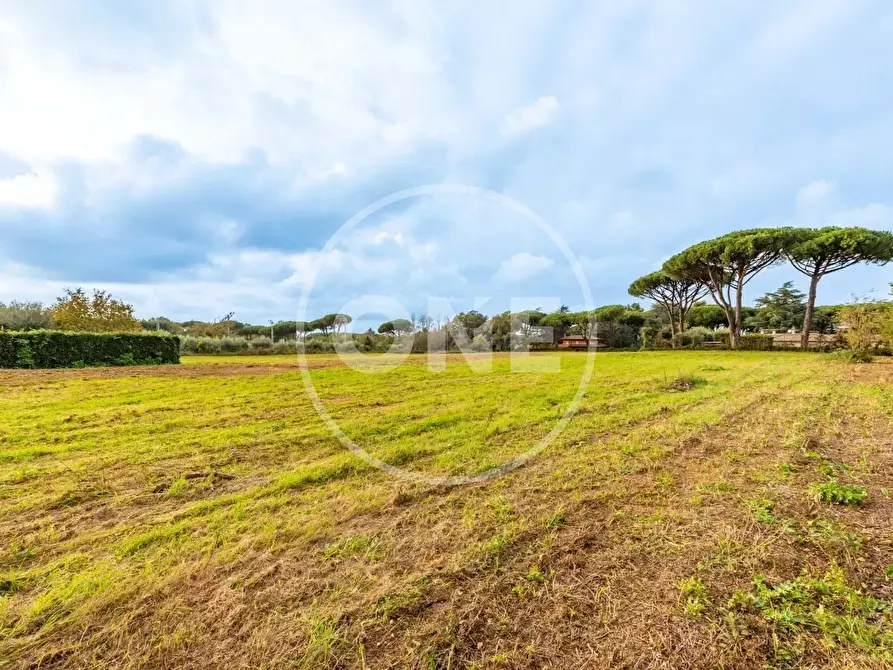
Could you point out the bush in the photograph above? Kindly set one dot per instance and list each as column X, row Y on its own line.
column 697, row 335
column 59, row 349
column 854, row 356
column 260, row 345
column 751, row 342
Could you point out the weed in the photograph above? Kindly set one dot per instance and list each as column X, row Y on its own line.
column 852, row 356
column 840, row 494
column 684, row 383
column 825, row 606
column 694, row 596
column 762, row 508
column 557, row 520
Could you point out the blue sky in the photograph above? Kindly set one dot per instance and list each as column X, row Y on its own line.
column 195, row 157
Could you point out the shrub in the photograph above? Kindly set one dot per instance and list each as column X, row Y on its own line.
column 866, row 325
column 260, row 345
column 59, row 349
column 751, row 342
column 234, row 345
column 284, row 347
column 854, row 356
column 697, row 335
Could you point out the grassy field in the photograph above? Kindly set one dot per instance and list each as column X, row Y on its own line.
column 203, row 516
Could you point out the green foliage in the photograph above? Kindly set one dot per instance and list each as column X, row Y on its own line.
column 23, row 316
column 826, row 606
column 675, row 294
column 825, row 250
column 58, row 349
column 840, row 494
column 725, row 264
column 694, row 596
column 782, row 309
column 101, row 313
column 707, row 316
column 751, row 342
column 852, row 356
column 868, row 325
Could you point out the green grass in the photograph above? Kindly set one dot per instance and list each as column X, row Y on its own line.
column 158, row 514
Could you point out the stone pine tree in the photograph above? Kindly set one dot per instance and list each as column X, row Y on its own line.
column 726, row 264
column 818, row 252
column 676, row 296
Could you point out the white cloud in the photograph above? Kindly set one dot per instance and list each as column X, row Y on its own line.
column 521, row 266
column 816, row 201
column 29, row 191
column 523, row 120
column 820, row 203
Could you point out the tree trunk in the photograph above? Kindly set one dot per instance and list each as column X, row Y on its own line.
column 735, row 330
column 672, row 328
column 810, row 308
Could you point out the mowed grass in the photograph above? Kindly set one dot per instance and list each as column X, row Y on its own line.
column 204, row 516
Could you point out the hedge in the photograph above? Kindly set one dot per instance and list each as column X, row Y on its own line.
column 59, row 349
column 752, row 342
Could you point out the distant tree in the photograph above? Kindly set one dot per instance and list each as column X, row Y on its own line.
column 675, row 295
column 560, row 322
column 707, row 316
column 402, row 326
column 387, row 328
column 99, row 313
column 727, row 263
column 341, row 321
column 781, row 309
column 25, row 316
column 825, row 318
column 500, row 329
column 325, row 323
column 161, row 323
column 826, row 250
column 470, row 322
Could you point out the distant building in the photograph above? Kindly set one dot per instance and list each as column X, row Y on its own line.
column 580, row 342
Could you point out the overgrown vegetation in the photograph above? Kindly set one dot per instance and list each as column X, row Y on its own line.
column 203, row 515
column 826, row 607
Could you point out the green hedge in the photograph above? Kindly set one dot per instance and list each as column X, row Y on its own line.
column 58, row 349
column 752, row 342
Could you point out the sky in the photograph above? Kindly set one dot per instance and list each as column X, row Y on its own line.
column 197, row 157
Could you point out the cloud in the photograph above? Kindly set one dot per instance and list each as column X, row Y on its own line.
column 525, row 119
column 197, row 156
column 28, row 191
column 521, row 266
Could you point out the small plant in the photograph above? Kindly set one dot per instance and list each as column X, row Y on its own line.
column 839, row 494
column 684, row 383
column 852, row 356
column 556, row 521
column 762, row 511
column 694, row 595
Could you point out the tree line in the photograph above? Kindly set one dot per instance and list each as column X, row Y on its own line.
column 723, row 266
column 719, row 268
